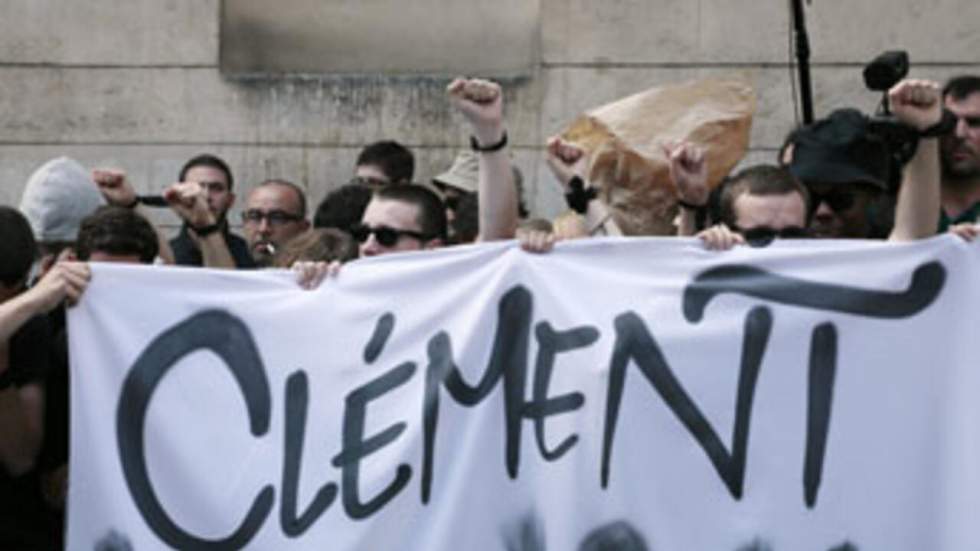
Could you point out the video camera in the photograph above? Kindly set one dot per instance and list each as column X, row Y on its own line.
column 883, row 72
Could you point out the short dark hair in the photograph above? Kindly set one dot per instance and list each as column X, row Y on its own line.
column 342, row 207
column 300, row 194
column 318, row 245
column 393, row 158
column 207, row 160
column 119, row 231
column 432, row 213
column 961, row 86
column 18, row 250
column 757, row 180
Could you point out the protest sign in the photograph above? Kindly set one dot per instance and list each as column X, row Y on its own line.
column 807, row 396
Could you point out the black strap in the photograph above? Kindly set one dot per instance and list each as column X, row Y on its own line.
column 204, row 231
column 475, row 145
column 578, row 197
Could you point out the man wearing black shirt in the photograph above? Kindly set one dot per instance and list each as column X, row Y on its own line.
column 206, row 181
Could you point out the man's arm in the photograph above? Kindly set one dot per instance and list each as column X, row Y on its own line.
column 118, row 191
column 918, row 104
column 188, row 200
column 689, row 172
column 568, row 162
column 481, row 102
column 22, row 407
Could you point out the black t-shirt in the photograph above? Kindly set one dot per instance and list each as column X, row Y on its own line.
column 186, row 252
column 24, row 519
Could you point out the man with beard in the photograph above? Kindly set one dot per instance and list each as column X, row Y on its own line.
column 202, row 198
column 961, row 154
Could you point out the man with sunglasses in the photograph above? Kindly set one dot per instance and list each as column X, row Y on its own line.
column 275, row 212
column 961, row 154
column 401, row 218
column 843, row 168
column 846, row 167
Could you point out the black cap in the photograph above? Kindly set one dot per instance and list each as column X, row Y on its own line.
column 839, row 149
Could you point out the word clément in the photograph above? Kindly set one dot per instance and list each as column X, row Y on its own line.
column 635, row 345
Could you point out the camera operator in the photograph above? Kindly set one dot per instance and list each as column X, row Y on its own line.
column 846, row 165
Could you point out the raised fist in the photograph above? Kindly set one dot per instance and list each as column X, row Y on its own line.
column 481, row 102
column 916, row 103
column 566, row 160
column 688, row 171
column 189, row 200
column 115, row 187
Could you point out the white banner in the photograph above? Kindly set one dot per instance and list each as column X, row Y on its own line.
column 641, row 394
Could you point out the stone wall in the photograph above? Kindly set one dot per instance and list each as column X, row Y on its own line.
column 136, row 84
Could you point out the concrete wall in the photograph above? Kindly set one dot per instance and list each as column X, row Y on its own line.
column 136, row 83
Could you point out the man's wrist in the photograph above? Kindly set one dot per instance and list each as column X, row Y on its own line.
column 489, row 135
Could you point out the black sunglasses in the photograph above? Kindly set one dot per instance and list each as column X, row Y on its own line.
column 838, row 201
column 385, row 235
column 760, row 236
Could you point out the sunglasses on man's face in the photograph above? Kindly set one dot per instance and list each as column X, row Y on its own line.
column 838, row 201
column 386, row 236
column 760, row 236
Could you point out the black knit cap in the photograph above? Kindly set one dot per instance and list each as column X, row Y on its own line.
column 840, row 149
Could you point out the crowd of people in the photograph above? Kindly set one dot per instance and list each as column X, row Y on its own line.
column 835, row 178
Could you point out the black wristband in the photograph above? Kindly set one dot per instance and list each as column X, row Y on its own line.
column 689, row 206
column 475, row 145
column 578, row 197
column 204, row 231
column 946, row 125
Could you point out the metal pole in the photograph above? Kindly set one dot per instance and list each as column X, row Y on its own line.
column 803, row 60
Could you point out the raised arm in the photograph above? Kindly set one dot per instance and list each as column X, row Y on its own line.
column 689, row 172
column 918, row 104
column 118, row 191
column 481, row 103
column 189, row 201
column 568, row 164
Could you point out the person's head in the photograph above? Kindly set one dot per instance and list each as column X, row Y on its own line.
column 401, row 218
column 342, row 207
column 961, row 149
column 17, row 251
column 214, row 174
column 764, row 201
column 116, row 234
column 275, row 212
column 317, row 245
column 57, row 197
column 845, row 167
column 385, row 162
column 462, row 179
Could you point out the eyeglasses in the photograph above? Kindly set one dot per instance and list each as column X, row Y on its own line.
column 385, row 235
column 838, row 201
column 760, row 236
column 275, row 218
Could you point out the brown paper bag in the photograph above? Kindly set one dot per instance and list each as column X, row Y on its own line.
column 624, row 142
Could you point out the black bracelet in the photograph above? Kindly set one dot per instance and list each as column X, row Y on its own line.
column 578, row 197
column 946, row 125
column 689, row 206
column 204, row 231
column 475, row 145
